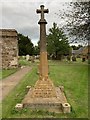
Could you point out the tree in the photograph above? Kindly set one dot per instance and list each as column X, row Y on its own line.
column 25, row 45
column 36, row 50
column 78, row 22
column 57, row 43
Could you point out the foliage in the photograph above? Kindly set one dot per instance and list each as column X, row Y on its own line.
column 36, row 50
column 23, row 62
column 78, row 23
column 68, row 57
column 25, row 45
column 57, row 42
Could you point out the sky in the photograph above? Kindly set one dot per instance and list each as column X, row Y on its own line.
column 21, row 15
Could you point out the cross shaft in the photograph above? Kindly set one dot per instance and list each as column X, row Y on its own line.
column 43, row 51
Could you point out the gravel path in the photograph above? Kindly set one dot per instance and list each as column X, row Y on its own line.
column 7, row 84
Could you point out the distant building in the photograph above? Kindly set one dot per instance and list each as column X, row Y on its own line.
column 82, row 52
column 9, row 48
column 77, row 52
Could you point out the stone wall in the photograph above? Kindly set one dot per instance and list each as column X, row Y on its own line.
column 9, row 48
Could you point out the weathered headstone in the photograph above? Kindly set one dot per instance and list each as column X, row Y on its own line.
column 27, row 57
column 45, row 95
column 32, row 59
column 9, row 46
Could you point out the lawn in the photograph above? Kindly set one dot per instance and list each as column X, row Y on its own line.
column 5, row 73
column 74, row 78
column 23, row 62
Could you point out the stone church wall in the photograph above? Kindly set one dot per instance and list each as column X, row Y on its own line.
column 9, row 48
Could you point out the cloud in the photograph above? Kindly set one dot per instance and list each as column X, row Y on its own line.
column 21, row 15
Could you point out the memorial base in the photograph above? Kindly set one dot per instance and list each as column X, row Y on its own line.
column 53, row 104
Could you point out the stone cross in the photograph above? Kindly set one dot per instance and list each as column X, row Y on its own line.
column 42, row 23
column 43, row 68
column 42, row 11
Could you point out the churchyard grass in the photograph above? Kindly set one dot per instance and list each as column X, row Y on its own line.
column 5, row 73
column 23, row 62
column 72, row 75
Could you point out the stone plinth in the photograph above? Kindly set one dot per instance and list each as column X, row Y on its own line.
column 54, row 103
column 43, row 88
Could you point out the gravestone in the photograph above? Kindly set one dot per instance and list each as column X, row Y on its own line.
column 32, row 59
column 44, row 95
column 27, row 57
column 9, row 48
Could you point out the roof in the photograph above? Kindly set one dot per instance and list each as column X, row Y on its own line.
column 82, row 50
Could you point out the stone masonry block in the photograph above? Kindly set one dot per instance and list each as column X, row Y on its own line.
column 66, row 108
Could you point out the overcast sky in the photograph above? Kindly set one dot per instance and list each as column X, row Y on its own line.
column 21, row 15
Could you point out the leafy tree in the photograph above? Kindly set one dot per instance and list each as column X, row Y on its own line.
column 57, row 42
column 36, row 50
column 78, row 22
column 25, row 45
